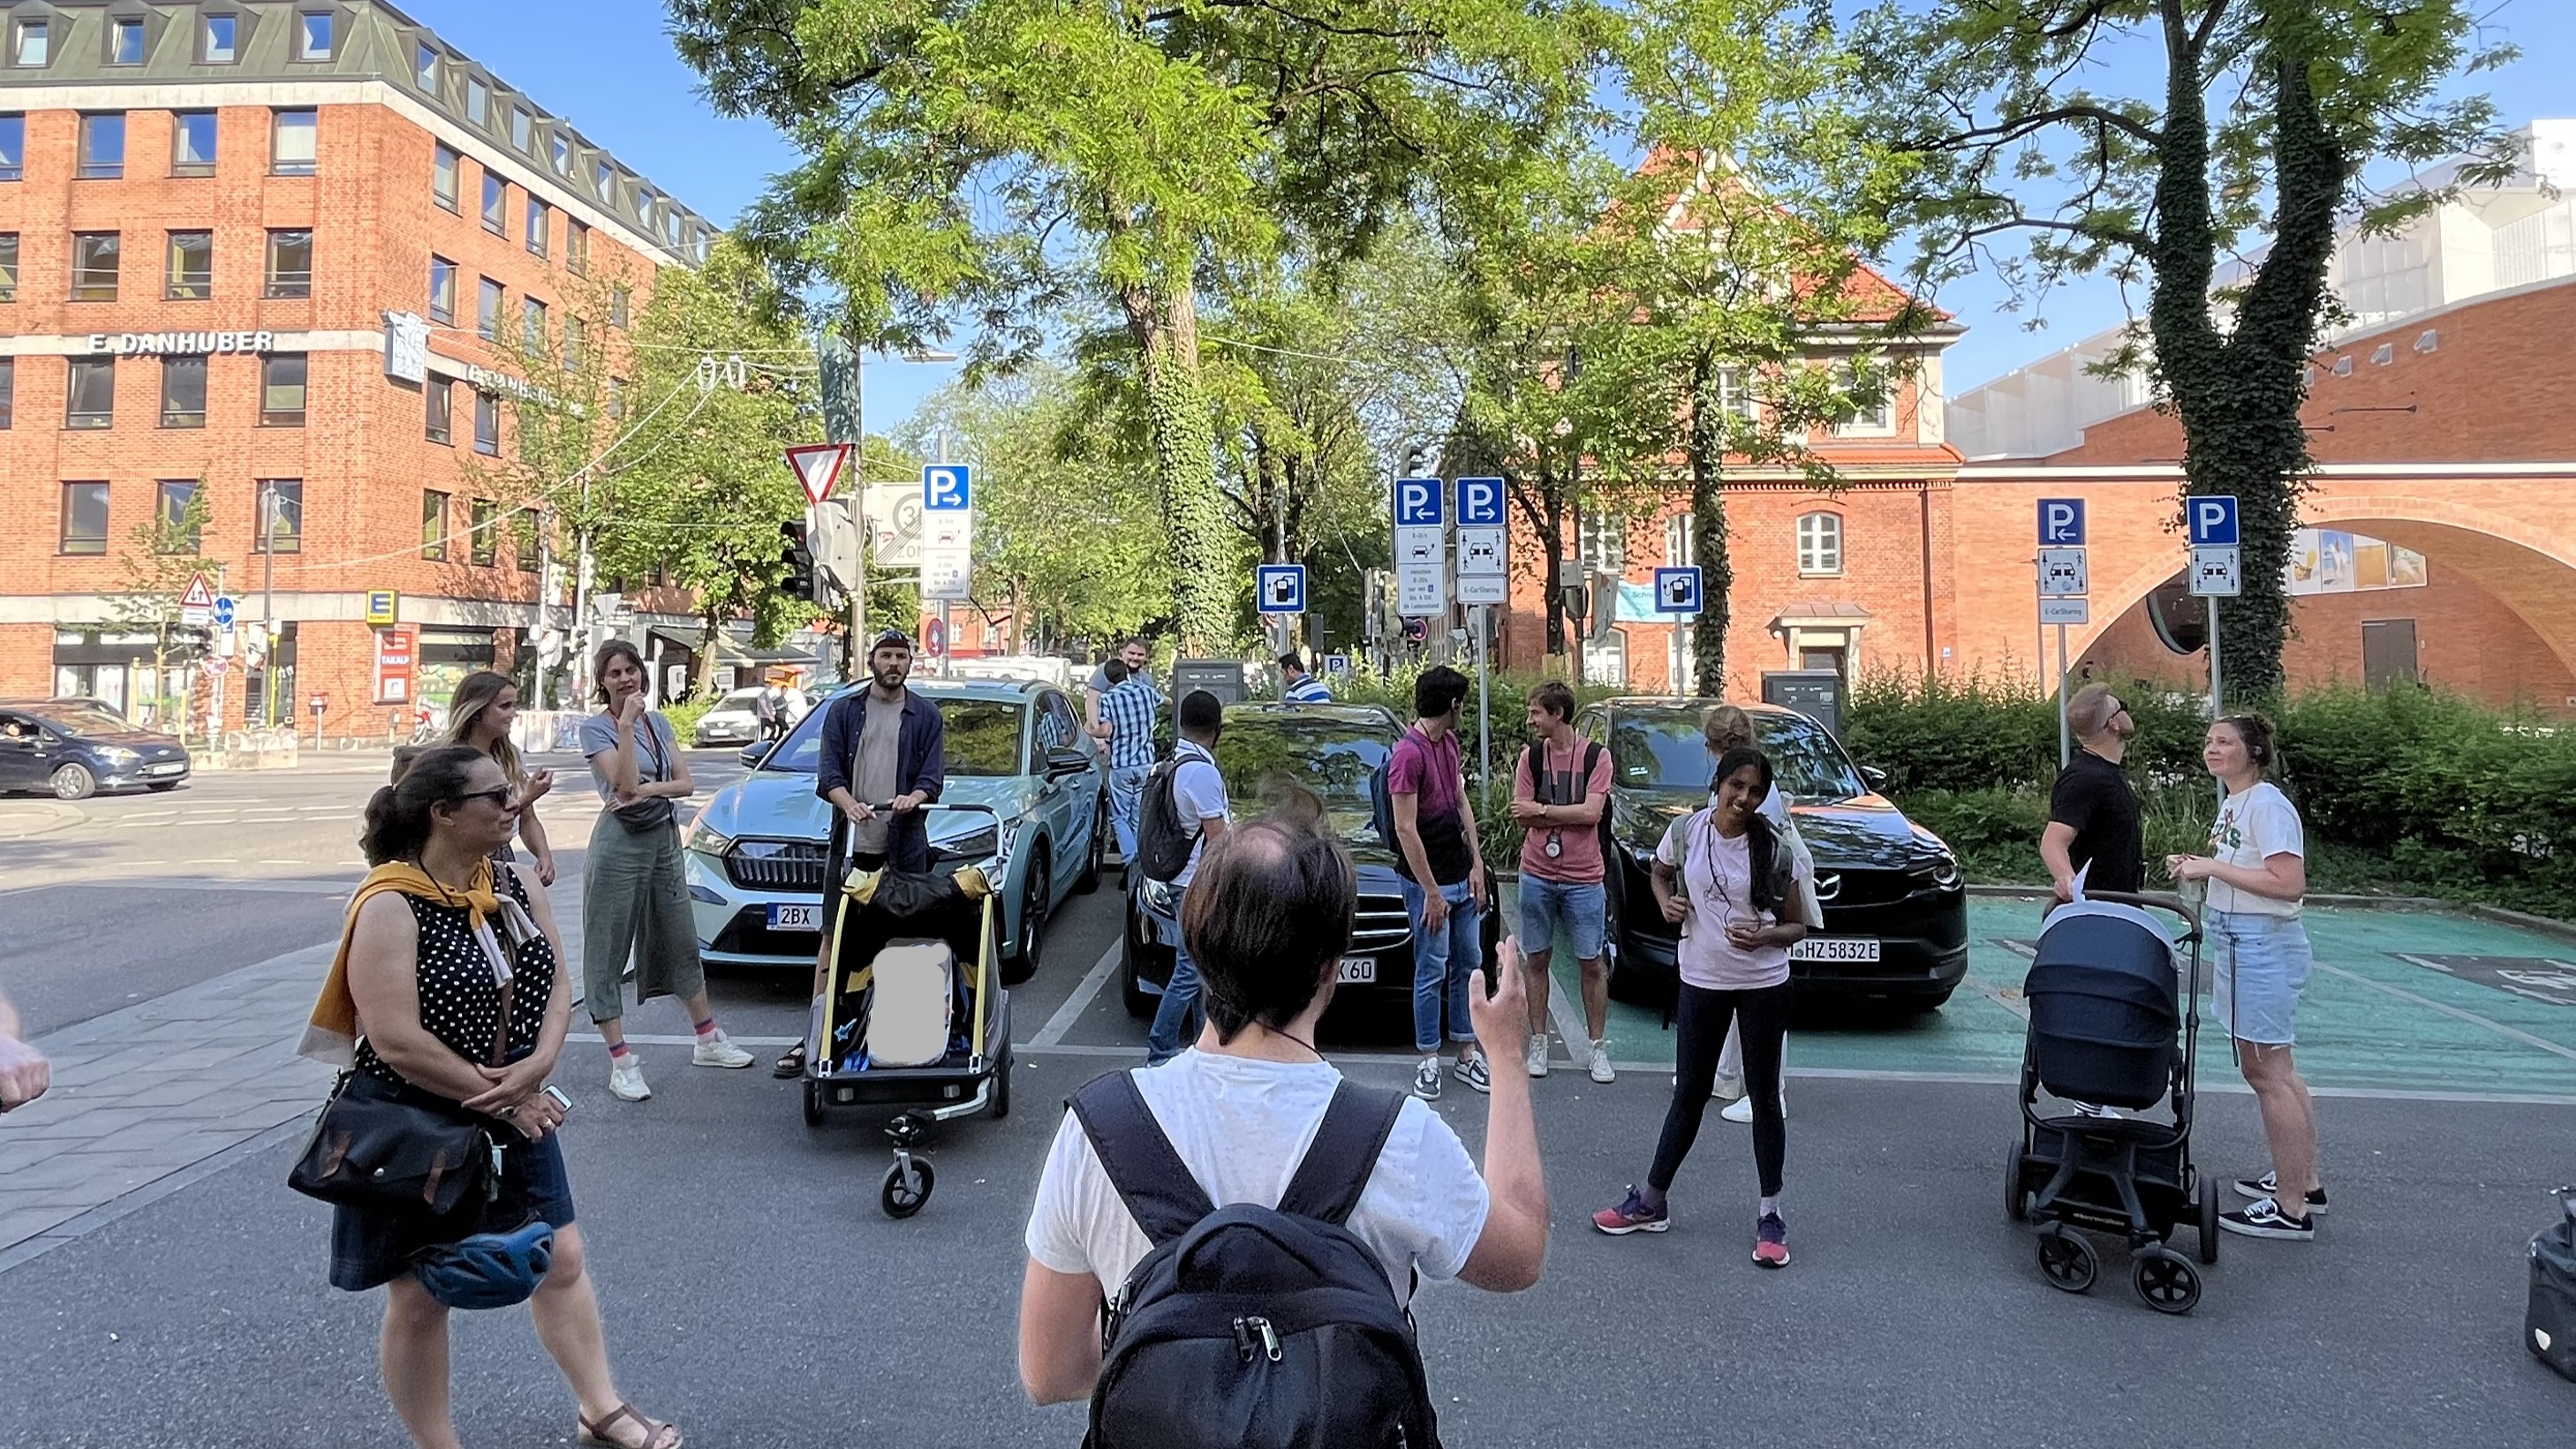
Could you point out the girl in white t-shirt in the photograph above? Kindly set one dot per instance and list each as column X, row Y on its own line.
column 1725, row 876
column 2256, row 871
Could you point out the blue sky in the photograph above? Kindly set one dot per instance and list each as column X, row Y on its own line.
column 608, row 66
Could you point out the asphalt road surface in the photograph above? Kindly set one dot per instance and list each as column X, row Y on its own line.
column 754, row 1292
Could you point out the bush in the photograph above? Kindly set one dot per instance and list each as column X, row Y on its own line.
column 684, row 716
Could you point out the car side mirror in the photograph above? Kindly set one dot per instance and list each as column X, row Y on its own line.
column 1067, row 761
column 1876, row 777
column 752, row 755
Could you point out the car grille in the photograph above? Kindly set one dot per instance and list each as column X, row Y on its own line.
column 776, row 865
column 1379, row 922
column 1864, row 887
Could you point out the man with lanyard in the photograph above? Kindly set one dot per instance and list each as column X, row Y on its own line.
column 2094, row 826
column 1198, row 795
column 1443, row 873
column 1558, row 796
column 1125, row 721
column 1297, row 686
column 884, row 756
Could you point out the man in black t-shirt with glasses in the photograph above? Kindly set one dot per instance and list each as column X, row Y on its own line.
column 2093, row 813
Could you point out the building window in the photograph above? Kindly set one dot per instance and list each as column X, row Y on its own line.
column 281, row 391
column 1734, row 394
column 1680, row 551
column 617, row 399
column 576, row 343
column 424, row 68
column 102, row 147
column 1859, row 415
column 35, row 42
column 525, row 537
column 576, row 247
column 619, row 301
column 442, row 291
column 89, row 397
column 522, row 129
column 170, row 500
column 285, row 530
column 222, row 34
column 444, row 167
column 442, row 410
column 562, row 154
column 192, row 267
column 96, row 256
column 1602, row 541
column 13, row 147
column 192, row 143
column 290, row 264
column 487, row 425
column 487, row 311
column 8, row 392
column 291, row 145
column 313, row 35
column 540, row 222
column 482, row 524
column 478, row 101
column 604, row 180
column 183, row 392
column 125, row 41
column 1820, row 543
column 496, row 205
column 84, row 518
column 8, row 266
column 433, row 524
column 532, row 321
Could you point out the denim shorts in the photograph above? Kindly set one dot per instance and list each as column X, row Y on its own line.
column 1546, row 904
column 2262, row 965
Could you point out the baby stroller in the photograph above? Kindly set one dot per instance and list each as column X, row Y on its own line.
column 2104, row 1017
column 915, row 1011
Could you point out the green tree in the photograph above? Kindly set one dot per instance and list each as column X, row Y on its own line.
column 2269, row 116
column 160, row 559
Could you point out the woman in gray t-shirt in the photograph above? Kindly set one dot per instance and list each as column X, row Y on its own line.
column 634, row 889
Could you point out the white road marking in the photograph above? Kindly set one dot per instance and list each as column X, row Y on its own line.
column 1080, row 1001
column 2499, row 1028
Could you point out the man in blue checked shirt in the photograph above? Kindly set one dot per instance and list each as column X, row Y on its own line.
column 1296, row 686
column 1127, row 710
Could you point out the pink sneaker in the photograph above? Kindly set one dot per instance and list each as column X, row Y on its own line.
column 1631, row 1216
column 1771, row 1242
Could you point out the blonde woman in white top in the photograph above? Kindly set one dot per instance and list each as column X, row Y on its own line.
column 2256, row 871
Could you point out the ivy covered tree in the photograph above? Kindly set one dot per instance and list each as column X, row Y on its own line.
column 2270, row 116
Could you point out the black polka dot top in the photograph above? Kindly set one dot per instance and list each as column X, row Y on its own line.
column 460, row 1003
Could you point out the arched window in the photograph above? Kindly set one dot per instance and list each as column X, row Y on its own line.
column 1820, row 543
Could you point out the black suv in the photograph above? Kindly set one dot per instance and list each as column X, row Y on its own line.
column 1896, row 910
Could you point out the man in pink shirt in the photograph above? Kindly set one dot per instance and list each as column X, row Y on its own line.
column 1558, row 797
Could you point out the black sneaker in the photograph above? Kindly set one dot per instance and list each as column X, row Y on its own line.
column 2262, row 1218
column 2269, row 1185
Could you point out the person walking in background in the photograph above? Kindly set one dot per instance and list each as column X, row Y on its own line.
column 1200, row 804
column 635, row 893
column 480, row 717
column 1559, row 793
column 1132, row 653
column 1728, row 880
column 2093, row 812
column 1442, row 868
column 1124, row 721
column 2255, row 873
column 1726, row 728
column 414, row 1004
column 24, row 1072
column 1296, row 686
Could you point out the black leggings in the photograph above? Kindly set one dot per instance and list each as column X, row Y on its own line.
column 1699, row 1028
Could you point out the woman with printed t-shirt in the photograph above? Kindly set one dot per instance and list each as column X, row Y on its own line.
column 1725, row 876
column 2256, row 871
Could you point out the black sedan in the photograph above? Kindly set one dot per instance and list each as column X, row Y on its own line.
column 73, row 748
column 1332, row 750
column 1896, row 909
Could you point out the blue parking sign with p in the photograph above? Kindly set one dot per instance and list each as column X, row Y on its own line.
column 1480, row 503
column 2212, row 519
column 1417, row 502
column 944, row 488
column 2061, row 523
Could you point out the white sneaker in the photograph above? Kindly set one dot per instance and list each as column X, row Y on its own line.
column 626, row 1081
column 1741, row 1109
column 1537, row 1059
column 1601, row 1071
column 719, row 1053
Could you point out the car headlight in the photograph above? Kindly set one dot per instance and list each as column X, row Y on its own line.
column 117, row 755
column 708, row 842
column 984, row 844
column 1157, row 895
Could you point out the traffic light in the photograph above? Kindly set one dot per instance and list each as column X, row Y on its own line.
column 798, row 561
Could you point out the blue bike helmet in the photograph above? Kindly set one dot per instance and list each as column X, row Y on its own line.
column 488, row 1270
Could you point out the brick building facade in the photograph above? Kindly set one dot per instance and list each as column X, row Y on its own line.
column 226, row 229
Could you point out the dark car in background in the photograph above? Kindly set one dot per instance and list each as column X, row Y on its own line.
column 1896, row 907
column 74, row 748
column 1331, row 749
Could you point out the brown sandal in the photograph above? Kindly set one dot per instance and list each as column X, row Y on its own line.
column 595, row 1435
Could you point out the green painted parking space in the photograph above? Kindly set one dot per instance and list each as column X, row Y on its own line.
column 2401, row 1002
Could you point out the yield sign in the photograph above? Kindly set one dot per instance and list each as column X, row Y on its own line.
column 200, row 595
column 818, row 467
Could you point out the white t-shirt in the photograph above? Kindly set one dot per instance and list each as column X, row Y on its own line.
column 2252, row 828
column 1198, row 792
column 1242, row 1127
column 1718, row 879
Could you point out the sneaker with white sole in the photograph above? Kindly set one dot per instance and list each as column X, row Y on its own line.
column 626, row 1081
column 1601, row 1070
column 715, row 1051
column 1473, row 1072
column 1426, row 1079
column 1536, row 1060
column 2263, row 1218
column 1741, row 1109
column 2269, row 1185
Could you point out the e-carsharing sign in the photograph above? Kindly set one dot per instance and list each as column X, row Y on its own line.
column 2061, row 523
column 2213, row 520
column 1480, row 503
column 1417, row 502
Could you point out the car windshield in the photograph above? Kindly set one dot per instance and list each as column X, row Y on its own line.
column 740, row 699
column 1662, row 750
column 83, row 719
column 1333, row 758
column 983, row 739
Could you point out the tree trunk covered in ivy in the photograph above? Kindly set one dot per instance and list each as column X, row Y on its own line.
column 1708, row 529
column 1178, row 411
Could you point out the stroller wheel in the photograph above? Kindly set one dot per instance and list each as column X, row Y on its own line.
column 2067, row 1261
column 907, row 1188
column 813, row 1103
column 2016, row 1197
column 2167, row 1283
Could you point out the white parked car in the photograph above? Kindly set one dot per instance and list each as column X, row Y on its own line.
column 733, row 721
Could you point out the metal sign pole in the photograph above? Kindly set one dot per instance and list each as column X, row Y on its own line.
column 1485, row 704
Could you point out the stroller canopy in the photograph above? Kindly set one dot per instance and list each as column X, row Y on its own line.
column 2105, row 1007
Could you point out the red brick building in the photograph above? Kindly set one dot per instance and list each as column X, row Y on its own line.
column 291, row 256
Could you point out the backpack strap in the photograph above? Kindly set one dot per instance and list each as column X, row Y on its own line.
column 1156, row 1185
column 1338, row 1162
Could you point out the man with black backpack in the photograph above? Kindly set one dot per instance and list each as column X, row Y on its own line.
column 1184, row 807
column 1559, row 795
column 1260, row 1221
